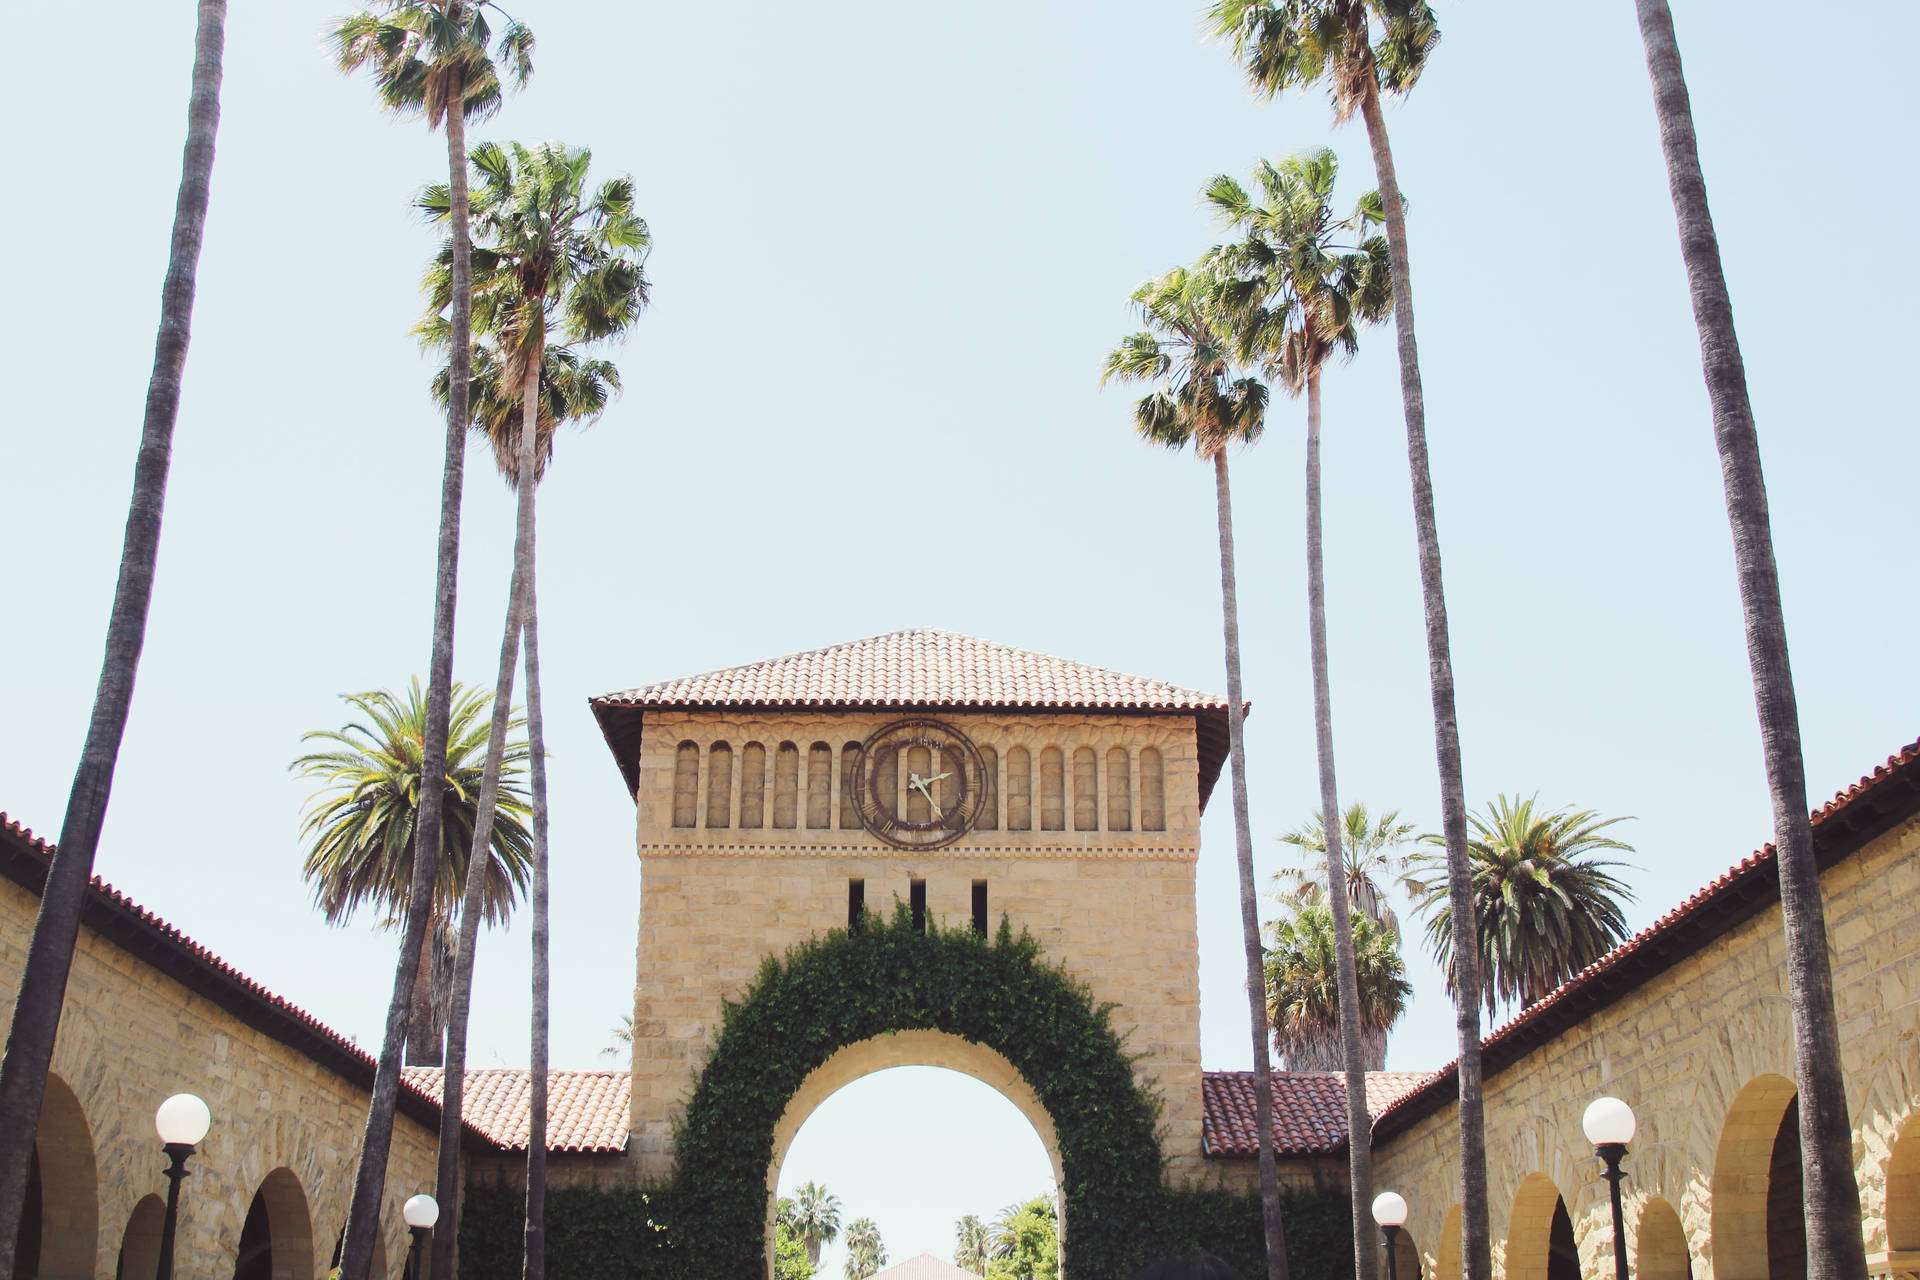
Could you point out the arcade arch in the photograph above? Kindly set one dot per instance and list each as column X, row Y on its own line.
column 276, row 1240
column 60, row 1227
column 1756, row 1211
column 1406, row 1257
column 1446, row 1258
column 1660, row 1244
column 1903, row 1188
column 1540, row 1243
column 140, row 1242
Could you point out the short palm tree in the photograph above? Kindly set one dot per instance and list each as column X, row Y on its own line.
column 1545, row 907
column 1298, row 297
column 1369, row 843
column 362, row 822
column 971, row 1241
column 555, row 259
column 1359, row 50
column 1303, row 988
column 866, row 1253
column 428, row 58
column 1834, row 1247
column 1205, row 399
column 43, row 980
column 816, row 1218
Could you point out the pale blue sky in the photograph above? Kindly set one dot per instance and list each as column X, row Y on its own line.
column 893, row 244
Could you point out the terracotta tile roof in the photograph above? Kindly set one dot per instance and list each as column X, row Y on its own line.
column 919, row 667
column 24, row 858
column 924, row 1266
column 1309, row 1110
column 1869, row 808
column 588, row 1112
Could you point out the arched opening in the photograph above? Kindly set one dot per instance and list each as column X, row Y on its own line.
column 1786, row 1203
column 914, row 1142
column 1903, row 1188
column 915, row 1130
column 276, row 1239
column 1660, row 1244
column 1446, row 1254
column 140, row 1242
column 1747, row 1209
column 378, row 1269
column 1406, row 1257
column 60, row 1224
column 1540, row 1244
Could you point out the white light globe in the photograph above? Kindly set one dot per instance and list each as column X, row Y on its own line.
column 182, row 1119
column 421, row 1210
column 1608, row 1120
column 1390, row 1209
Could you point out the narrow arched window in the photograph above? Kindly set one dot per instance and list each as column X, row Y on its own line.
column 1019, row 790
column 1086, row 790
column 1119, row 791
column 753, row 786
column 819, row 787
column 849, row 765
column 719, row 785
column 989, row 819
column 1153, row 792
column 686, row 785
column 786, row 787
column 1053, row 790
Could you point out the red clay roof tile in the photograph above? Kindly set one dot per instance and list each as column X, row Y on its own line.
column 1309, row 1109
column 587, row 1111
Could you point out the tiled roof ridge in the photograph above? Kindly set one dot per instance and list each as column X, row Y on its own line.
column 177, row 939
column 1309, row 1109
column 1758, row 862
column 589, row 1109
column 636, row 693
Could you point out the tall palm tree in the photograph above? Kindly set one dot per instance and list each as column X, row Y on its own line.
column 362, row 821
column 1303, row 989
column 816, row 1218
column 1298, row 298
column 1545, row 907
column 970, row 1244
column 555, row 258
column 428, row 58
column 43, row 980
column 1832, row 1199
column 1204, row 399
column 1368, row 843
column 1358, row 49
column 866, row 1253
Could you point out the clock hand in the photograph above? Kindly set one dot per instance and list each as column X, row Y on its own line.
column 915, row 780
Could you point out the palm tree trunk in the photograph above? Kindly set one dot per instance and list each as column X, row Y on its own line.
column 1353, row 1051
column 370, row 1179
column 1475, row 1250
column 534, row 1266
column 1835, row 1250
column 423, row 1039
column 447, row 1185
column 43, row 983
column 1276, row 1232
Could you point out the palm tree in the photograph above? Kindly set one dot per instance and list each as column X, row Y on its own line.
column 361, row 828
column 1204, row 400
column 554, row 259
column 865, row 1252
column 43, row 980
column 623, row 1043
column 816, row 1218
column 970, row 1245
column 1357, row 49
column 1303, row 995
column 427, row 58
column 1368, row 843
column 1832, row 1199
column 1544, row 906
column 1298, row 298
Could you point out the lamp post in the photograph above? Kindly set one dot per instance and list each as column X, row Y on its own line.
column 421, row 1212
column 1610, row 1127
column 182, row 1121
column 1390, row 1211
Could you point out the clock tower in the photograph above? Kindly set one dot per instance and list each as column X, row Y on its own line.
column 967, row 779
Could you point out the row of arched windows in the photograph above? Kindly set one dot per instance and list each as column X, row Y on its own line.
column 1029, row 790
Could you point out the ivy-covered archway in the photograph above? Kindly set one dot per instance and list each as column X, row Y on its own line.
column 829, row 993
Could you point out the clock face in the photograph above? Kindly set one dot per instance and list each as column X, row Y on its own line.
column 920, row 784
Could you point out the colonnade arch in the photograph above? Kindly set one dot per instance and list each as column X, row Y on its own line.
column 1756, row 1190
column 1660, row 1243
column 1446, row 1257
column 276, row 1240
column 1540, row 1244
column 1406, row 1257
column 1903, row 1188
column 140, row 1242
column 60, row 1229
